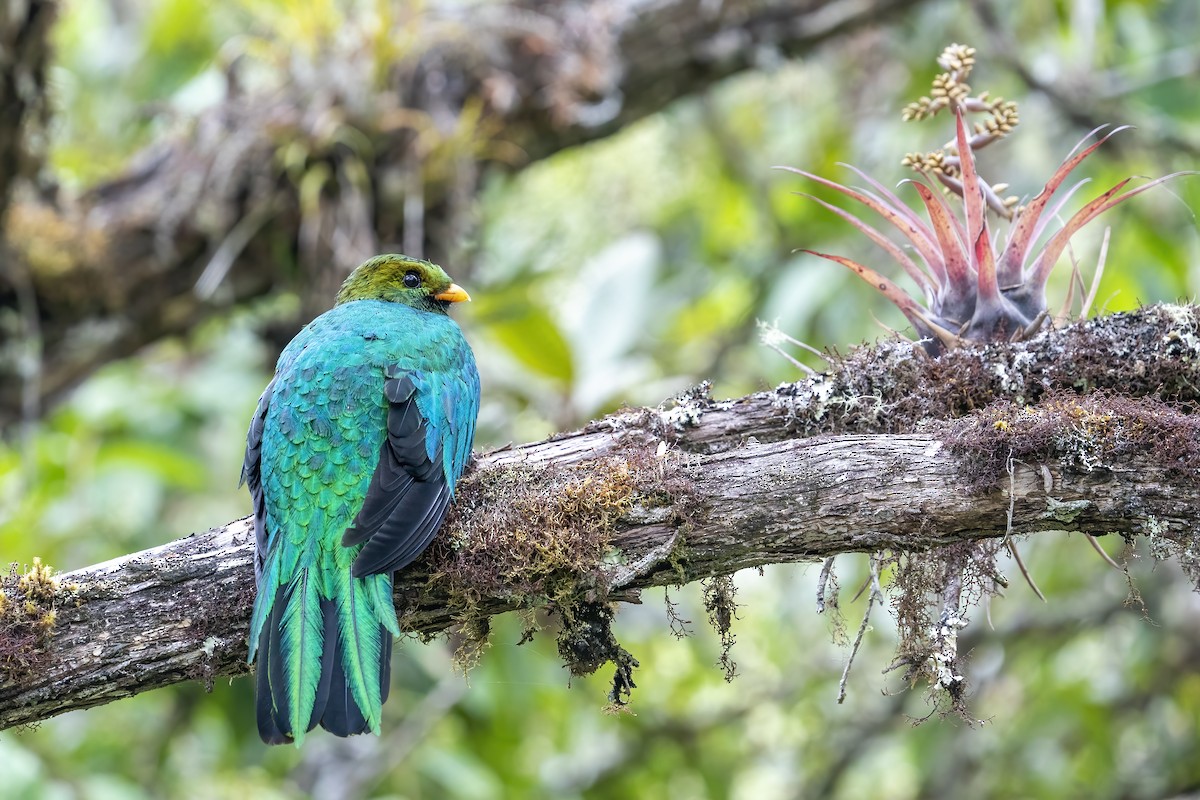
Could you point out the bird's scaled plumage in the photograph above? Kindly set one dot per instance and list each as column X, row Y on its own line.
column 351, row 461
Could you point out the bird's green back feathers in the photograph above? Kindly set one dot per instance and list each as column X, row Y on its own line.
column 330, row 445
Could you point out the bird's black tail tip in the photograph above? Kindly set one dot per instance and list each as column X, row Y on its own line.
column 334, row 707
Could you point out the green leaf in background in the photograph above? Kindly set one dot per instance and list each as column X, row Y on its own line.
column 163, row 460
column 527, row 332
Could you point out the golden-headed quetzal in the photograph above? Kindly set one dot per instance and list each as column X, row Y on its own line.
column 351, row 462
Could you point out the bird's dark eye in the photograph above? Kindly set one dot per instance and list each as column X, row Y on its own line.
column 412, row 279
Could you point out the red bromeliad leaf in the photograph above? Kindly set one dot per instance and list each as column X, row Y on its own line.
column 972, row 196
column 894, row 201
column 1023, row 231
column 949, row 234
column 1039, row 271
column 989, row 290
column 896, row 213
column 1052, row 214
column 921, row 278
column 888, row 288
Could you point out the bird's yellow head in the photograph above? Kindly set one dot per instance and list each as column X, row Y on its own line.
column 397, row 278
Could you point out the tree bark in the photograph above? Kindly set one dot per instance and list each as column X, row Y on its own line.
column 652, row 497
column 294, row 187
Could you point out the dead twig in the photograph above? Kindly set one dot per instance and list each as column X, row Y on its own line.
column 875, row 596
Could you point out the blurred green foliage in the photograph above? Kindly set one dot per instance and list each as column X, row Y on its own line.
column 615, row 274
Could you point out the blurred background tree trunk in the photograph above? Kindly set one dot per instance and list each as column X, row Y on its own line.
column 363, row 146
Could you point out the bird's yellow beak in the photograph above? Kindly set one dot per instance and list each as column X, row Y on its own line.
column 452, row 294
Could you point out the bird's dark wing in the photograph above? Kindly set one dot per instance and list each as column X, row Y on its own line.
column 408, row 495
column 252, row 478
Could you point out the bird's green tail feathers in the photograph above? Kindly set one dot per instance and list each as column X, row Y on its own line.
column 322, row 643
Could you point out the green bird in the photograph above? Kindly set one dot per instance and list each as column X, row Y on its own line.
column 351, row 461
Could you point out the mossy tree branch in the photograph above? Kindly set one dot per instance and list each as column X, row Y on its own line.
column 1033, row 439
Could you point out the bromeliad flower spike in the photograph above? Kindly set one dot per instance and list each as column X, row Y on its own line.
column 973, row 289
column 351, row 461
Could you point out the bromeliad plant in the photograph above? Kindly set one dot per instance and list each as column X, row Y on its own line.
column 974, row 289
